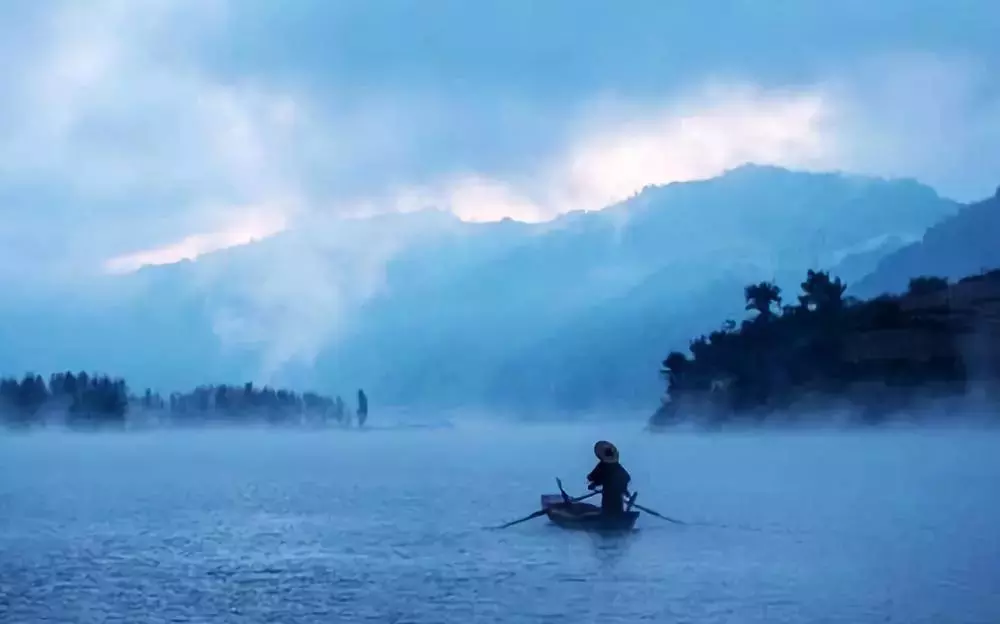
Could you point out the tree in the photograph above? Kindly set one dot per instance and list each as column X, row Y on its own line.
column 829, row 347
column 926, row 285
column 70, row 384
column 761, row 297
column 32, row 393
column 674, row 366
column 99, row 400
column 821, row 293
column 222, row 398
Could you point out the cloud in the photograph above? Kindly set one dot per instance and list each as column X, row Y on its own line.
column 875, row 118
column 157, row 153
column 696, row 137
column 617, row 148
column 289, row 304
column 933, row 117
column 257, row 225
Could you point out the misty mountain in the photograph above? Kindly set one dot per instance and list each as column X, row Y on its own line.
column 424, row 309
column 962, row 245
column 580, row 312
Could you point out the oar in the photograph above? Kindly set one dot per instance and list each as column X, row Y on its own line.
column 658, row 515
column 541, row 512
column 565, row 496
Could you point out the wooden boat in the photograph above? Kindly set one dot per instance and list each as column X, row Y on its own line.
column 585, row 517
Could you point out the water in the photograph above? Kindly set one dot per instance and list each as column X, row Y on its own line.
column 384, row 526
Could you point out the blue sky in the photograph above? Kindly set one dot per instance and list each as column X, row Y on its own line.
column 141, row 131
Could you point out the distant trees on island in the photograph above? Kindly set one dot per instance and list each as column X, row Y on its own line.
column 826, row 350
column 86, row 400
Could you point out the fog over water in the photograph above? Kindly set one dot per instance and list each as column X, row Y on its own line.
column 388, row 526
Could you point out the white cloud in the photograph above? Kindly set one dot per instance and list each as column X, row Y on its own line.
column 908, row 115
column 255, row 225
column 695, row 137
column 618, row 149
column 109, row 109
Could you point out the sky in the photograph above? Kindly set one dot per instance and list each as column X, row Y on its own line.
column 137, row 132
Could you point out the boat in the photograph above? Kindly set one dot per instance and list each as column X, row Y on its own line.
column 568, row 514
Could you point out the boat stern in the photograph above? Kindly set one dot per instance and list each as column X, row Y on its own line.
column 551, row 500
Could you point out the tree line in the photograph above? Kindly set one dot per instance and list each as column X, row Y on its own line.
column 248, row 402
column 787, row 355
column 82, row 399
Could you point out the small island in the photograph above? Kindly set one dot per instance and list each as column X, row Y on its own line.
column 936, row 346
column 88, row 401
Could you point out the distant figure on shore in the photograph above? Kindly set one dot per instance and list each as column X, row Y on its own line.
column 610, row 476
column 362, row 408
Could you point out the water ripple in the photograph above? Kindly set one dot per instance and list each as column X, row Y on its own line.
column 260, row 528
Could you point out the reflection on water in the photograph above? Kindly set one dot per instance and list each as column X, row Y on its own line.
column 384, row 526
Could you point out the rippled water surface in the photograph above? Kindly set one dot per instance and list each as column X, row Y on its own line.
column 387, row 526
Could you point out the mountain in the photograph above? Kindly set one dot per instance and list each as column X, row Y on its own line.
column 961, row 245
column 581, row 311
column 424, row 309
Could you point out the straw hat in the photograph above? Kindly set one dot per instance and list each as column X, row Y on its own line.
column 606, row 452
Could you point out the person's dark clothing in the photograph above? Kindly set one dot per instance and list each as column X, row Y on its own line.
column 613, row 480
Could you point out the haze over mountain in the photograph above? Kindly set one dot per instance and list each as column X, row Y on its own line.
column 962, row 245
column 422, row 308
column 580, row 314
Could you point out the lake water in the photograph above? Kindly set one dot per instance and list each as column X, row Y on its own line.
column 387, row 526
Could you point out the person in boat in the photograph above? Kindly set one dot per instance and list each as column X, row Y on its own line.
column 610, row 476
column 362, row 408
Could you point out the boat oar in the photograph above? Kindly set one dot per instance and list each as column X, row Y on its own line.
column 658, row 515
column 565, row 496
column 541, row 512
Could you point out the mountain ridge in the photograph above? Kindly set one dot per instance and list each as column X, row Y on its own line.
column 964, row 244
column 425, row 309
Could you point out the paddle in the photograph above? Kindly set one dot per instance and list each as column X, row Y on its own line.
column 565, row 496
column 541, row 512
column 658, row 515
